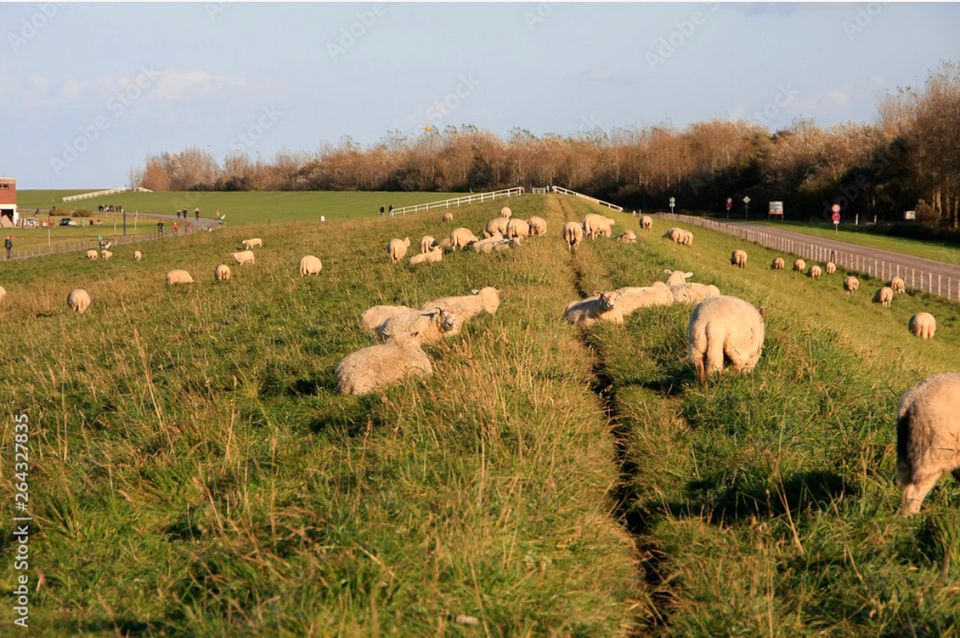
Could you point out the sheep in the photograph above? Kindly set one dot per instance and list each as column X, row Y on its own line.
column 310, row 265
column 397, row 249
column 830, row 268
column 923, row 325
column 538, row 226
column 646, row 222
column 106, row 255
column 627, row 237
column 462, row 237
column 381, row 365
column 739, row 258
column 485, row 246
column 427, row 243
column 814, row 272
column 496, row 226
column 376, row 315
column 724, row 328
column 517, row 228
column 602, row 306
column 573, row 234
column 693, row 292
column 78, row 300
column 92, row 254
column 505, row 212
column 506, row 244
column 594, row 225
column 244, row 257
column 248, row 244
column 137, row 255
column 677, row 277
column 466, row 307
column 432, row 256
column 928, row 438
column 445, row 243
column 222, row 273
column 686, row 238
column 898, row 285
column 178, row 277
column 778, row 264
column 884, row 296
column 424, row 326
column 799, row 265
column 447, row 216
column 631, row 299
column 851, row 285
column 3, row 293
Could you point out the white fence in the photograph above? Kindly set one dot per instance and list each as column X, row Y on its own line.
column 924, row 279
column 567, row 191
column 78, row 245
column 109, row 191
column 460, row 201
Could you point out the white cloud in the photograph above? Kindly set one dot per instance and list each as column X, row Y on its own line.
column 178, row 83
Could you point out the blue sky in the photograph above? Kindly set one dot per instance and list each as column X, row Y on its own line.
column 89, row 90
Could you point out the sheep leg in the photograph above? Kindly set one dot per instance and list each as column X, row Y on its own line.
column 715, row 347
column 913, row 493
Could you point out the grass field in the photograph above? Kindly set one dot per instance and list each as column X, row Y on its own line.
column 33, row 238
column 196, row 474
column 242, row 207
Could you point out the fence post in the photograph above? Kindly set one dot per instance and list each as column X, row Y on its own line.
column 938, row 285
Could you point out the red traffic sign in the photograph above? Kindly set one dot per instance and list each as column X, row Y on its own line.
column 835, row 208
column 836, row 217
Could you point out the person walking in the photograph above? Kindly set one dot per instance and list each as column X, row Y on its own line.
column 176, row 226
column 196, row 215
column 381, row 211
column 8, row 244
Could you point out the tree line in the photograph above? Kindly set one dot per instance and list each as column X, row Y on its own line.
column 908, row 159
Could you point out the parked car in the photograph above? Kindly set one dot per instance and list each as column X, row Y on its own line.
column 66, row 221
column 30, row 222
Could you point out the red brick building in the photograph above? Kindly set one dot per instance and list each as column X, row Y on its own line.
column 8, row 202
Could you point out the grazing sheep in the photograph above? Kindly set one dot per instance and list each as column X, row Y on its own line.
column 739, row 258
column 538, row 226
column 447, row 216
column 381, row 365
column 594, row 225
column 646, row 222
column 693, row 292
column 686, row 238
column 928, row 437
column 627, row 237
column 374, row 316
column 677, row 277
column 245, row 257
column 431, row 256
column 851, row 285
column 461, row 238
column 178, row 277
column 424, row 326
column 799, row 265
column 724, row 328
column 427, row 243
column 631, row 299
column 505, row 212
column 673, row 233
column 92, row 254
column 573, row 234
column 778, row 264
column 248, row 244
column 884, row 296
column 310, row 265
column 602, row 306
column 137, row 255
column 496, row 226
column 923, row 325
column 397, row 249
column 466, row 307
column 830, row 268
column 898, row 285
column 105, row 255
column 814, row 272
column 78, row 300
column 3, row 293
column 517, row 228
column 222, row 273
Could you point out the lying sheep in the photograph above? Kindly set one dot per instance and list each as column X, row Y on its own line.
column 427, row 243
column 572, row 234
column 677, row 277
column 466, row 307
column 631, row 299
column 851, row 285
column 137, row 255
column 256, row 242
column 505, row 212
column 538, row 226
column 898, row 285
column 244, row 257
column 627, row 237
column 923, row 325
column 397, row 249
column 424, row 326
column 105, row 255
column 485, row 246
column 78, row 300
column 884, row 296
column 496, row 226
column 376, row 315
column 799, row 265
column 597, row 225
column 178, row 277
column 814, row 272
column 602, row 306
column 431, row 256
column 739, row 258
column 506, row 244
column 928, row 438
column 778, row 264
column 461, row 238
column 724, row 328
column 693, row 292
column 310, row 265
column 830, row 268
column 92, row 254
column 381, row 365
column 447, row 216
column 517, row 228
column 646, row 222
column 222, row 273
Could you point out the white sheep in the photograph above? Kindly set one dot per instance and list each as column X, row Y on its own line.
column 928, row 437
column 923, row 325
column 244, row 257
column 799, row 265
column 884, row 296
column 382, row 365
column 3, row 293
column 496, row 226
column 898, row 285
column 465, row 307
column 739, row 258
column 178, row 277
column 222, row 273
column 602, row 306
column 431, row 256
column 424, row 326
column 538, row 226
column 137, row 255
column 724, row 328
column 686, row 238
column 646, row 222
column 485, row 246
column 256, row 242
column 310, row 265
column 105, row 255
column 461, row 238
column 397, row 249
column 851, row 285
column 445, row 243
column 677, row 277
column 78, row 300
column 830, row 268
column 506, row 244
column 630, row 299
column 594, row 225
column 447, row 216
column 693, row 292
column 573, row 234
column 427, row 243
column 627, row 237
column 376, row 315
column 505, row 212
column 92, row 254
column 815, row 272
column 517, row 228
column 778, row 264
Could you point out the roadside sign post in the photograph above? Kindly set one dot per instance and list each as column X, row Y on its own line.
column 836, row 217
column 746, row 207
column 673, row 202
column 729, row 206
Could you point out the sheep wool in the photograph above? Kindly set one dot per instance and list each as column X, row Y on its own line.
column 627, row 237
column 517, row 228
column 646, row 222
column 255, row 242
column 538, row 226
column 461, row 238
column 815, row 272
column 602, row 306
column 898, row 285
column 447, row 217
column 630, row 299
column 724, row 328
column 505, row 212
column 496, row 226
column 92, row 254
column 884, row 296
column 572, row 234
column 739, row 258
column 431, row 256
column 106, row 254
column 778, row 264
column 222, row 273
column 923, row 325
column 426, row 243
column 851, row 285
column 137, row 255
column 376, row 315
column 799, row 265
column 178, row 277
column 244, row 257
column 397, row 249
column 677, row 277
column 830, row 268
column 595, row 225
column 466, row 307
column 310, row 265
column 380, row 366
column 78, row 300
column 424, row 326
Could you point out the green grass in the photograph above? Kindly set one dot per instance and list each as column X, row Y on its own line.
column 37, row 238
column 243, row 207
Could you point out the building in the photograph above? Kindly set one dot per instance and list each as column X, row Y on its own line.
column 8, row 202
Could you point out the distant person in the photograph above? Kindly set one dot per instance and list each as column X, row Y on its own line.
column 176, row 227
column 196, row 214
column 391, row 209
column 8, row 244
column 159, row 228
column 221, row 217
column 381, row 211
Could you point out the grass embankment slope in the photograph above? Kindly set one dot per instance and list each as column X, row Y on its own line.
column 243, row 207
column 194, row 473
column 767, row 504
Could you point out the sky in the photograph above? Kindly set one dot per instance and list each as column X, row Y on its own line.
column 87, row 91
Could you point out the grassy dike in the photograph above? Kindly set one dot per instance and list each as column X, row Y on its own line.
column 193, row 472
column 766, row 504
